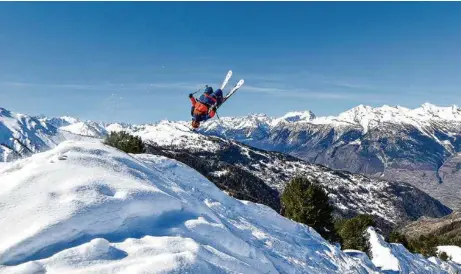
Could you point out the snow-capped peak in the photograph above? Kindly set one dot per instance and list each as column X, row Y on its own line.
column 296, row 116
column 88, row 128
column 60, row 121
column 430, row 111
column 369, row 117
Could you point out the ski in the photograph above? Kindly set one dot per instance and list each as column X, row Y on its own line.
column 226, row 80
column 233, row 90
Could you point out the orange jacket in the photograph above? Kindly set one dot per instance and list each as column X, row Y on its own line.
column 201, row 112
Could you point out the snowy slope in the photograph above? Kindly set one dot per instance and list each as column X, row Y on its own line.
column 394, row 258
column 143, row 214
column 151, row 214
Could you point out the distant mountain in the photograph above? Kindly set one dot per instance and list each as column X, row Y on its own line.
column 420, row 146
column 448, row 227
column 22, row 135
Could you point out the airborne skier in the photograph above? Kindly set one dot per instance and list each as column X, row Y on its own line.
column 206, row 105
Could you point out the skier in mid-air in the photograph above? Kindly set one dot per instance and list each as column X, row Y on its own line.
column 205, row 106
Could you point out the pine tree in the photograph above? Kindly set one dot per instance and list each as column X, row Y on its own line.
column 304, row 201
column 352, row 232
column 125, row 142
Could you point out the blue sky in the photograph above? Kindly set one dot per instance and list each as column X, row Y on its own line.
column 137, row 61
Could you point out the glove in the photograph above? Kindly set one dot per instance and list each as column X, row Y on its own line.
column 191, row 95
column 214, row 108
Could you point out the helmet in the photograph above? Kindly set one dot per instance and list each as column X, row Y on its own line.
column 195, row 124
column 208, row 90
column 218, row 93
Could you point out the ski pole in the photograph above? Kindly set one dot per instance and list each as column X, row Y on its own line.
column 199, row 89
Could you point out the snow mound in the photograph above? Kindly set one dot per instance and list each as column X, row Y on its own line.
column 87, row 207
column 395, row 258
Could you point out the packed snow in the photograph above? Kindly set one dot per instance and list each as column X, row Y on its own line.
column 87, row 207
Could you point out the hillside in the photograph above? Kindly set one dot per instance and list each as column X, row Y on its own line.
column 130, row 213
column 150, row 214
column 391, row 203
column 448, row 227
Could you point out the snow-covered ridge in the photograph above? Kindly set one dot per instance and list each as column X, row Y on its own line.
column 368, row 117
column 150, row 214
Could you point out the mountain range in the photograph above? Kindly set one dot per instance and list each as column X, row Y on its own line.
column 419, row 146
